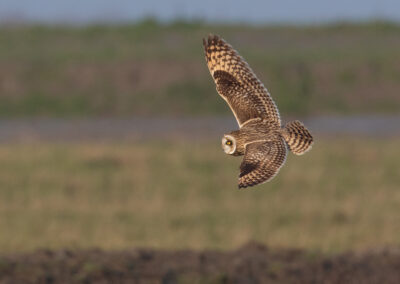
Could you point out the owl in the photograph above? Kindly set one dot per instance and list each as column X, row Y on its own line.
column 261, row 139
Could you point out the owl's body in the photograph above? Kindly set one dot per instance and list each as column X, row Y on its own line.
column 254, row 130
column 261, row 138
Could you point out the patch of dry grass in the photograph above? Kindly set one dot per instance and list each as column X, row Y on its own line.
column 344, row 194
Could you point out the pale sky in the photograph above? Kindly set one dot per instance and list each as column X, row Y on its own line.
column 252, row 11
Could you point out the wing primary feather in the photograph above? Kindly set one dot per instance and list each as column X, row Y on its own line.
column 261, row 162
column 237, row 83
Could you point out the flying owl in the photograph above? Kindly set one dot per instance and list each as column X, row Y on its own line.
column 260, row 138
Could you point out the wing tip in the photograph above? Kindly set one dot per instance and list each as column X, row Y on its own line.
column 204, row 43
column 245, row 181
column 242, row 186
column 212, row 39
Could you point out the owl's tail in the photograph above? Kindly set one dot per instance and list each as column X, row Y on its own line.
column 297, row 137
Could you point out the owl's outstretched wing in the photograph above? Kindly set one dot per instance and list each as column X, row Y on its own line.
column 237, row 84
column 262, row 161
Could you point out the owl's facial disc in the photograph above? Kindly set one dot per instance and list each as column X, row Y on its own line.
column 229, row 144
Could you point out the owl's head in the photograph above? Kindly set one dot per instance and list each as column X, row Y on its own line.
column 229, row 144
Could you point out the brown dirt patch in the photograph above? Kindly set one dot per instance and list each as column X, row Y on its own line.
column 252, row 263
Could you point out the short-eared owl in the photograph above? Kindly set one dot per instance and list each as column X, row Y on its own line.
column 261, row 138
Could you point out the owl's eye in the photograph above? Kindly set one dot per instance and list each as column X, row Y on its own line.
column 229, row 142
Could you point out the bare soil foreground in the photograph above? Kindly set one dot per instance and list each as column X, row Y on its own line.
column 252, row 263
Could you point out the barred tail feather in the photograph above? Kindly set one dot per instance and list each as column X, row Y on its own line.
column 298, row 138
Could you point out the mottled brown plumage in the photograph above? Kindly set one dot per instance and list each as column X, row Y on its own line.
column 262, row 161
column 298, row 137
column 237, row 83
column 260, row 138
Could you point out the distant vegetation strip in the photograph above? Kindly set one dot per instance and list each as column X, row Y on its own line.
column 149, row 68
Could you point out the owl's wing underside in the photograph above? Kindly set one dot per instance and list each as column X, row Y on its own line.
column 262, row 161
column 237, row 84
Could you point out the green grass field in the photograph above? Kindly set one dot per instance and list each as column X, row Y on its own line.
column 342, row 195
column 148, row 68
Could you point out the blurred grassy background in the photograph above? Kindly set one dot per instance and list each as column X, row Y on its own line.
column 148, row 68
column 342, row 195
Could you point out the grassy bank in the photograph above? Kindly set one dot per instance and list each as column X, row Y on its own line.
column 342, row 195
column 148, row 68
